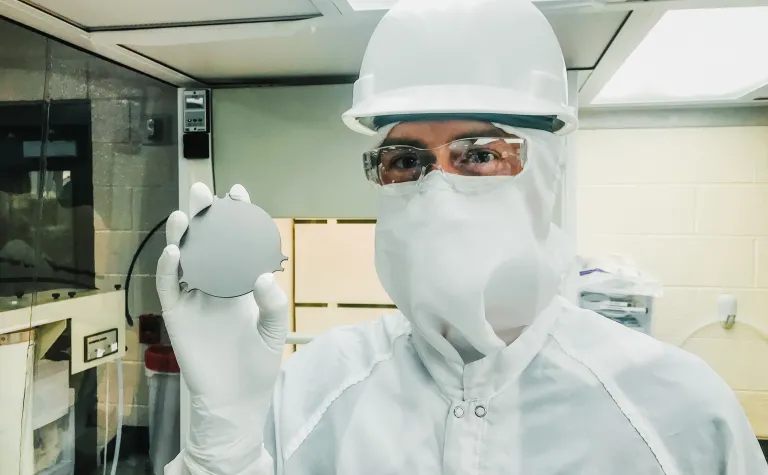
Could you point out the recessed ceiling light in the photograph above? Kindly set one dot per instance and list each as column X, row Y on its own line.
column 695, row 55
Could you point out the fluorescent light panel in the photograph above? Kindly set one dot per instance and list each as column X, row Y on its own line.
column 362, row 5
column 695, row 55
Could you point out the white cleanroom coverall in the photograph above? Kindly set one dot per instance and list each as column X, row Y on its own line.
column 575, row 394
column 485, row 370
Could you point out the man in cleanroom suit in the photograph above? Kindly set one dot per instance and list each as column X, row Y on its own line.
column 485, row 370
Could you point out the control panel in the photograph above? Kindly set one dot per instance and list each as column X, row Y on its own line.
column 195, row 110
column 100, row 345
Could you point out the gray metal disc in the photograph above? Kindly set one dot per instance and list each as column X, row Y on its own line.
column 228, row 246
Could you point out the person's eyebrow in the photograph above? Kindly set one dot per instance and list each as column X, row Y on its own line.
column 490, row 132
column 390, row 142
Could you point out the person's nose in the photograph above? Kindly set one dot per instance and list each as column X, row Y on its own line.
column 441, row 161
column 430, row 168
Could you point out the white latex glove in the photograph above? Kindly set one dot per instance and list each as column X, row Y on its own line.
column 229, row 352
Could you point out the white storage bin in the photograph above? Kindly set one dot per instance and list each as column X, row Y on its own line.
column 51, row 392
column 17, row 356
column 55, row 443
column 616, row 288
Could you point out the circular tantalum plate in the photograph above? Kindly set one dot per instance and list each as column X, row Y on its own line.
column 227, row 247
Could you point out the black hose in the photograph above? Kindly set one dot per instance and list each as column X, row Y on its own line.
column 128, row 317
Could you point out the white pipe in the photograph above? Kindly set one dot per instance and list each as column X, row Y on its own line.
column 294, row 338
column 119, row 437
column 106, row 426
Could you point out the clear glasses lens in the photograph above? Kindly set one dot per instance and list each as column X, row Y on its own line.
column 481, row 156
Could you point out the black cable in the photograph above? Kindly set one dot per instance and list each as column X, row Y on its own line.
column 128, row 317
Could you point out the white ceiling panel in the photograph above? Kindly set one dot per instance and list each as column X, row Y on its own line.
column 121, row 13
column 322, row 46
column 584, row 36
column 318, row 47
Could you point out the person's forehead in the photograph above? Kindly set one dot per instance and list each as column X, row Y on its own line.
column 440, row 132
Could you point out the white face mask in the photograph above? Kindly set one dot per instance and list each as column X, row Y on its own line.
column 462, row 259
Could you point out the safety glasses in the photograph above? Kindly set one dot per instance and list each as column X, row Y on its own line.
column 480, row 156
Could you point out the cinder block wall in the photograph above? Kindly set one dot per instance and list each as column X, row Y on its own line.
column 135, row 187
column 691, row 206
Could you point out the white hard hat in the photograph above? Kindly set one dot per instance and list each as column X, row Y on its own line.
column 491, row 60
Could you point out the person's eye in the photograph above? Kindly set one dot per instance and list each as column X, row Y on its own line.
column 480, row 156
column 405, row 161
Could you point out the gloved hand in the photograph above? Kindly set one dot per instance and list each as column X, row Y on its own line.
column 229, row 352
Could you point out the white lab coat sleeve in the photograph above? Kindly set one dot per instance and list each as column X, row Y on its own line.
column 271, row 449
column 724, row 442
column 742, row 454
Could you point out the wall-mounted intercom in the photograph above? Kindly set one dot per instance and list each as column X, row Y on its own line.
column 196, row 122
column 196, row 110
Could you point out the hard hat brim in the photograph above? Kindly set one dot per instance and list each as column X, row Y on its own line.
column 456, row 100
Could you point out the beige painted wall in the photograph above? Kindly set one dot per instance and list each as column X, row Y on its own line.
column 289, row 148
column 691, row 206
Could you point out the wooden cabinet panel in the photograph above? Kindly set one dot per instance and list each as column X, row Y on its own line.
column 335, row 264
